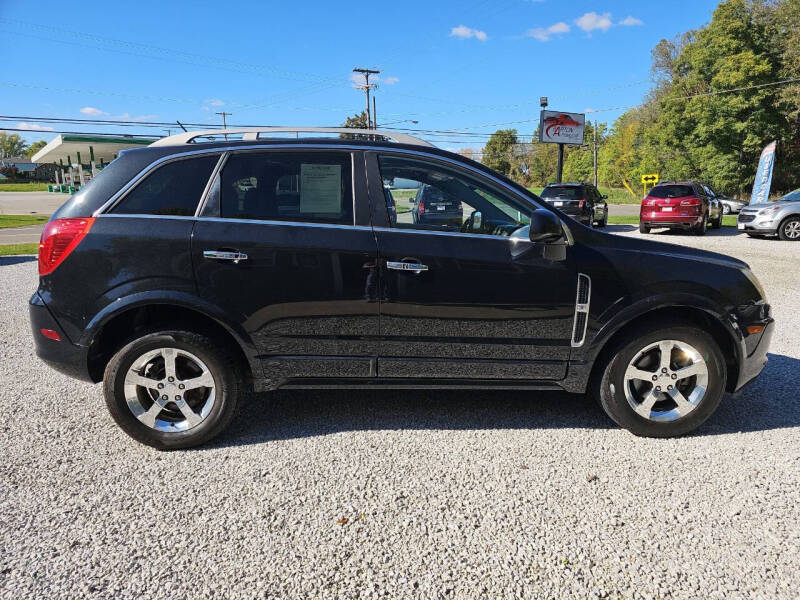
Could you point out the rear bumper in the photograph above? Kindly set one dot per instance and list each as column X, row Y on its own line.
column 658, row 219
column 63, row 355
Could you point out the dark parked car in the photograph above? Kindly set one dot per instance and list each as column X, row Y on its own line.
column 177, row 286
column 581, row 201
column 680, row 205
column 436, row 206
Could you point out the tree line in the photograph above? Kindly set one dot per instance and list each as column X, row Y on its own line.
column 720, row 94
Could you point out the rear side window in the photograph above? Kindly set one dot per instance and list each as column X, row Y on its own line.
column 311, row 187
column 671, row 191
column 172, row 189
column 571, row 192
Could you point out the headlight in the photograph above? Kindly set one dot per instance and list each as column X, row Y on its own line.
column 768, row 210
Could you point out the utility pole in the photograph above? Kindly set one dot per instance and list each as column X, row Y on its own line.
column 224, row 121
column 594, row 152
column 367, row 86
column 374, row 114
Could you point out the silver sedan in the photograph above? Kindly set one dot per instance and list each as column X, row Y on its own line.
column 731, row 206
column 781, row 218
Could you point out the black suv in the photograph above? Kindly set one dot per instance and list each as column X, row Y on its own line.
column 192, row 269
column 581, row 201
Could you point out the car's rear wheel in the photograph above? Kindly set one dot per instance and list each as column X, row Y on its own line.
column 172, row 389
column 789, row 230
column 717, row 223
column 663, row 381
column 701, row 228
column 643, row 228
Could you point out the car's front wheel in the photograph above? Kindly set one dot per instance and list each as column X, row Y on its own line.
column 663, row 381
column 789, row 231
column 172, row 389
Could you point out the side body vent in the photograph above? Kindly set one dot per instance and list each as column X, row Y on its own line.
column 582, row 299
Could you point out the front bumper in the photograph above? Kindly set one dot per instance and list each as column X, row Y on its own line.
column 766, row 224
column 62, row 355
column 757, row 348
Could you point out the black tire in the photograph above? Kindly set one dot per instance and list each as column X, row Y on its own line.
column 643, row 228
column 222, row 365
column 717, row 223
column 611, row 380
column 604, row 222
column 788, row 227
column 701, row 229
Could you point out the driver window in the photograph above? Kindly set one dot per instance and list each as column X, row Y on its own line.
column 431, row 197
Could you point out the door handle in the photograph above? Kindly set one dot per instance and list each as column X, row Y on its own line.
column 411, row 267
column 234, row 256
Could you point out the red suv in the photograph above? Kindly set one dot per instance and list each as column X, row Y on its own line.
column 684, row 205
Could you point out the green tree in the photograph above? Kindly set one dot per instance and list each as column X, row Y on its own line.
column 34, row 148
column 358, row 121
column 498, row 152
column 11, row 145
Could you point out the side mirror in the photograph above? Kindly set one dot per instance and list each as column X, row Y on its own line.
column 477, row 220
column 545, row 227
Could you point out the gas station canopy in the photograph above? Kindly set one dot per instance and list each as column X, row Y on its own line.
column 65, row 149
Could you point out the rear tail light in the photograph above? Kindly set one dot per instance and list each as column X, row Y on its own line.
column 690, row 202
column 582, row 204
column 59, row 238
column 421, row 207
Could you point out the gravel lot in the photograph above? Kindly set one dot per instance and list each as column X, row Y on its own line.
column 445, row 495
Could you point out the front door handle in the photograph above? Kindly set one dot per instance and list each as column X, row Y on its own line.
column 232, row 255
column 411, row 267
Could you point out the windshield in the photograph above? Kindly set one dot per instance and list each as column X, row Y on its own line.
column 790, row 197
column 570, row 192
column 671, row 191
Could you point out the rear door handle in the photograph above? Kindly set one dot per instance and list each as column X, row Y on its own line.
column 411, row 267
column 232, row 255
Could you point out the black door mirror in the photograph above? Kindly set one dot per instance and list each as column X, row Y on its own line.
column 545, row 227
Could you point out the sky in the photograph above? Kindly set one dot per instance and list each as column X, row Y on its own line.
column 467, row 67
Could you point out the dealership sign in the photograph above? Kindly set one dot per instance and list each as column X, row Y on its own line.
column 763, row 175
column 560, row 127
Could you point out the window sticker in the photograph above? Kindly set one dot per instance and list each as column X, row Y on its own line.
column 320, row 189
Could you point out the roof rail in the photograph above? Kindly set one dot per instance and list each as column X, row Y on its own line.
column 255, row 133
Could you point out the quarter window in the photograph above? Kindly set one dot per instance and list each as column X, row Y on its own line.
column 428, row 196
column 288, row 186
column 172, row 189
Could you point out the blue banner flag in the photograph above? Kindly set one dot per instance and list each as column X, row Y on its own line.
column 763, row 175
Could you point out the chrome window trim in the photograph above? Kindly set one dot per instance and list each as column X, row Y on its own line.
column 289, row 223
column 137, row 179
column 452, row 233
column 135, row 216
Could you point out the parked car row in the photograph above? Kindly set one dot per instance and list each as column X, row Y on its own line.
column 692, row 206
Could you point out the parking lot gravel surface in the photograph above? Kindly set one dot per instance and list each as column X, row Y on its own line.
column 403, row 494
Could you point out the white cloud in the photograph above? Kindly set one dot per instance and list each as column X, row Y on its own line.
column 591, row 21
column 545, row 33
column 391, row 80
column 215, row 102
column 464, row 32
column 92, row 111
column 630, row 21
column 32, row 127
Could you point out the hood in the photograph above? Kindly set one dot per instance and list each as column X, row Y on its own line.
column 644, row 247
column 776, row 203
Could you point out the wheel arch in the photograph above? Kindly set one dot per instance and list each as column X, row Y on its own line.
column 675, row 314
column 111, row 330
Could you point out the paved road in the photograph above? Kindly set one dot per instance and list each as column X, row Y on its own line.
column 30, row 203
column 457, row 495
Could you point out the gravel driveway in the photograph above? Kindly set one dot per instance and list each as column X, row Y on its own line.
column 403, row 494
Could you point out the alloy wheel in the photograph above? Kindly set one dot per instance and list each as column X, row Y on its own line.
column 169, row 389
column 666, row 380
column 792, row 230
